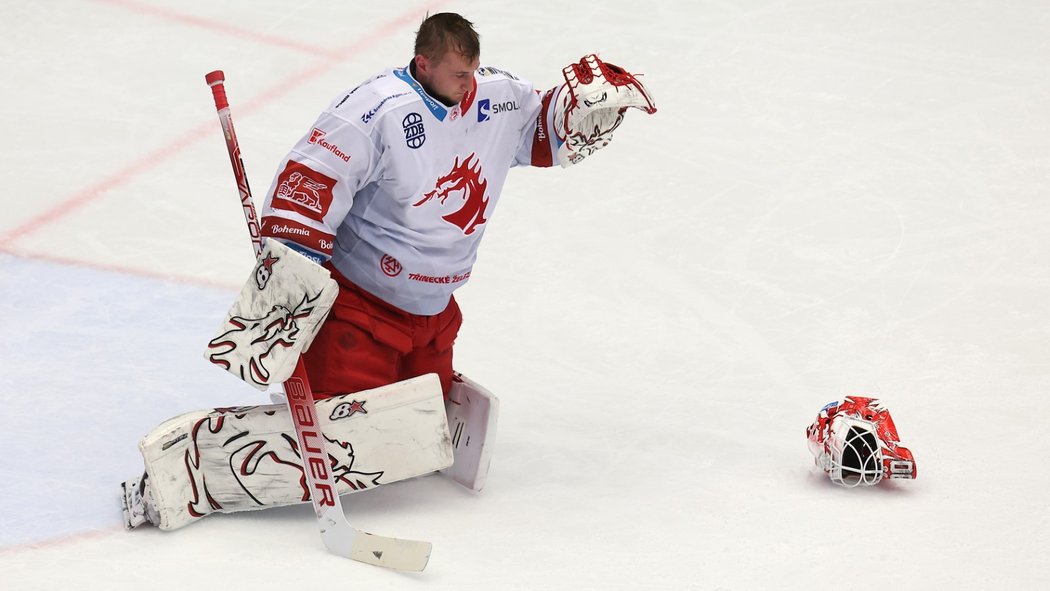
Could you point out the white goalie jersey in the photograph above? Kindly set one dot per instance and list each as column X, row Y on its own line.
column 396, row 188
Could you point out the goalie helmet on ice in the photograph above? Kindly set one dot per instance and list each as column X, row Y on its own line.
column 855, row 442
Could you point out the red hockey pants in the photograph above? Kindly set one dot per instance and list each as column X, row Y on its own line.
column 366, row 343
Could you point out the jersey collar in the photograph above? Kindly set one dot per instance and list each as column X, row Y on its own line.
column 438, row 110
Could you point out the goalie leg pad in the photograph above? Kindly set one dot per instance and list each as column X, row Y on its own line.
column 472, row 415
column 237, row 459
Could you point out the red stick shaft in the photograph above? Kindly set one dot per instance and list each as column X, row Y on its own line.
column 316, row 466
column 216, row 81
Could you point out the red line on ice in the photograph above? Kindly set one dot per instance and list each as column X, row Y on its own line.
column 160, row 155
column 219, row 26
column 60, row 541
column 110, row 268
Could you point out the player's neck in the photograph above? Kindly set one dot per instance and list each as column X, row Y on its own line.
column 426, row 86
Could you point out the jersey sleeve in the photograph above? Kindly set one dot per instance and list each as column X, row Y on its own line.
column 315, row 186
column 539, row 145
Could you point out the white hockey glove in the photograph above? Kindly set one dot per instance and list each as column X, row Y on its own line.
column 275, row 318
column 591, row 106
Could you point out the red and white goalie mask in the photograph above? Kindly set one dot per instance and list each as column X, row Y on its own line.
column 855, row 442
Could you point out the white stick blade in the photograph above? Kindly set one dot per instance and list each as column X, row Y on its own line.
column 395, row 553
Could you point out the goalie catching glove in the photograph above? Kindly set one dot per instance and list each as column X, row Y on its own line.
column 591, row 106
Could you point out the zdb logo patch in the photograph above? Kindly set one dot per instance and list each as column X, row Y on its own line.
column 303, row 190
column 465, row 179
column 415, row 134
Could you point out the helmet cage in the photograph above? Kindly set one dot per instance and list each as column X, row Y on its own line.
column 854, row 452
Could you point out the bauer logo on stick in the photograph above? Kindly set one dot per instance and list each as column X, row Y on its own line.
column 262, row 461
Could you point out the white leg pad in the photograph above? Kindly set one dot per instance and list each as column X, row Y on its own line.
column 244, row 458
column 472, row 414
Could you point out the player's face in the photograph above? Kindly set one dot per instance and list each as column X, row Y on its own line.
column 450, row 78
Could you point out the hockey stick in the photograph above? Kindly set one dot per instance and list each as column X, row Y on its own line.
column 339, row 536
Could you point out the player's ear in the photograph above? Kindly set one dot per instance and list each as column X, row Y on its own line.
column 423, row 64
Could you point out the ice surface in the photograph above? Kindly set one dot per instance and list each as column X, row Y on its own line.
column 834, row 198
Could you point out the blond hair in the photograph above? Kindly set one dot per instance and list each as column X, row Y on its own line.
column 447, row 31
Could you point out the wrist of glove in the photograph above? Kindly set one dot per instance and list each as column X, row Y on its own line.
column 591, row 105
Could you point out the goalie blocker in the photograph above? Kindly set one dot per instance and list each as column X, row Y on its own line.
column 275, row 318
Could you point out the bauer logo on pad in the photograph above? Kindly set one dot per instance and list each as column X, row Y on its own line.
column 303, row 190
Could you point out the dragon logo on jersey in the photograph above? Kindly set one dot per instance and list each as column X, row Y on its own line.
column 260, row 460
column 246, row 346
column 466, row 180
column 303, row 190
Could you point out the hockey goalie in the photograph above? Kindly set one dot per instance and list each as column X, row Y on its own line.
column 373, row 220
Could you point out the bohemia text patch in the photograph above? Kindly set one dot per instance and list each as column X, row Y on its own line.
column 315, row 240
